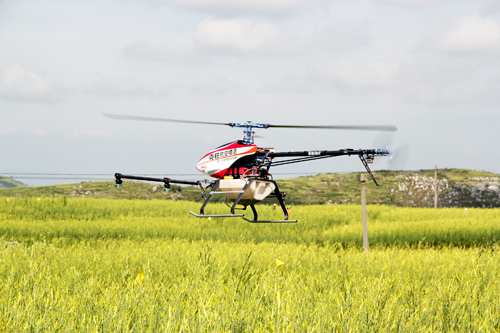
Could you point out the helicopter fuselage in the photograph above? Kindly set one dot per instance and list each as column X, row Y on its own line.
column 220, row 162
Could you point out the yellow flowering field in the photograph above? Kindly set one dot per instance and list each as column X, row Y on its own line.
column 93, row 265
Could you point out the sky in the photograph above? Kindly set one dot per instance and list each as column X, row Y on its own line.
column 429, row 67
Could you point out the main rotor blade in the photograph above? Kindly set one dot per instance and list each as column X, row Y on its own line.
column 354, row 127
column 123, row 117
column 347, row 127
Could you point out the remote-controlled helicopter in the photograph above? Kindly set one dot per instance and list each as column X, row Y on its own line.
column 240, row 169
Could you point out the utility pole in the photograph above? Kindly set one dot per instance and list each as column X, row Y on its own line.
column 435, row 187
column 363, row 209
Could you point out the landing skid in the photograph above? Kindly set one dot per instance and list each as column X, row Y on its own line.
column 270, row 221
column 221, row 215
column 256, row 216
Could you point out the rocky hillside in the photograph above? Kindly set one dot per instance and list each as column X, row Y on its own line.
column 456, row 188
column 469, row 191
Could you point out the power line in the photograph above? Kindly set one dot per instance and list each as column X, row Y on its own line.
column 110, row 177
column 89, row 174
column 59, row 178
column 143, row 174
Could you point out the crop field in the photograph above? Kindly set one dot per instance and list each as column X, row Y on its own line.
column 98, row 265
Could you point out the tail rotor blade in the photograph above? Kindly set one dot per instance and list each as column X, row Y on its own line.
column 399, row 157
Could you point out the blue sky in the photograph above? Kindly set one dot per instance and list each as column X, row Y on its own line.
column 430, row 67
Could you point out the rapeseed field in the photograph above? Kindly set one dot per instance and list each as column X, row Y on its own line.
column 95, row 265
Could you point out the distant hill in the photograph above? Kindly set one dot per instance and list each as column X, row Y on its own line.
column 456, row 188
column 6, row 182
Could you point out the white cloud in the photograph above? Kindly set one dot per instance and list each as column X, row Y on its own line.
column 489, row 6
column 151, row 49
column 336, row 37
column 238, row 36
column 459, row 93
column 473, row 34
column 112, row 88
column 244, row 7
column 242, row 36
column 218, row 86
column 432, row 94
column 19, row 84
column 338, row 73
column 293, row 83
column 447, row 81
column 412, row 2
column 87, row 133
column 348, row 73
column 16, row 131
